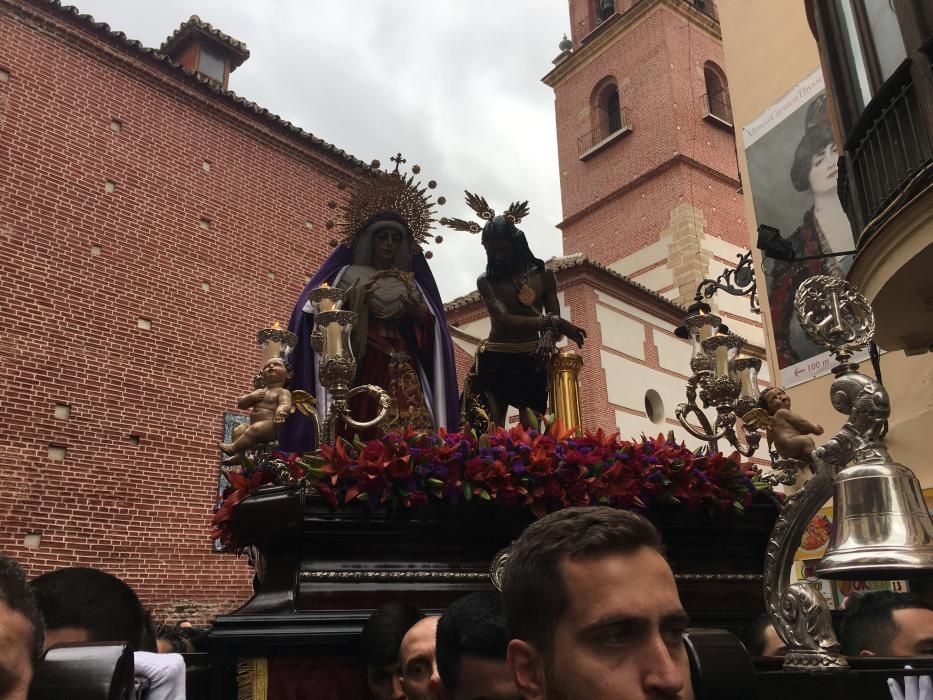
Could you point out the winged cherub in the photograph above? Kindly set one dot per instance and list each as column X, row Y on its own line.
column 788, row 432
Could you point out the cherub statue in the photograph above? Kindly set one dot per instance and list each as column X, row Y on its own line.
column 788, row 432
column 270, row 406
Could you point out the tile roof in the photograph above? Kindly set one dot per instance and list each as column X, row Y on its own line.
column 196, row 25
column 567, row 262
column 205, row 85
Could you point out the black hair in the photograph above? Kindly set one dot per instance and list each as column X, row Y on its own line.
column 383, row 632
column 504, row 229
column 177, row 637
column 96, row 601
column 753, row 635
column 534, row 592
column 474, row 625
column 18, row 596
column 869, row 624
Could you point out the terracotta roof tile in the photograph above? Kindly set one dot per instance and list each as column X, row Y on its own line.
column 205, row 85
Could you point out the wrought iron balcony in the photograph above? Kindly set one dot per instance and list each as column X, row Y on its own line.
column 889, row 146
column 612, row 129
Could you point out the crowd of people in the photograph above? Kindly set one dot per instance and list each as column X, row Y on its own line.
column 588, row 609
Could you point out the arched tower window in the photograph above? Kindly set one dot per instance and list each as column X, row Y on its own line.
column 718, row 104
column 607, row 112
column 608, row 118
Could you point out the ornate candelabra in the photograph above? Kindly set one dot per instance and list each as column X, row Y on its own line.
column 882, row 528
column 331, row 340
column 721, row 379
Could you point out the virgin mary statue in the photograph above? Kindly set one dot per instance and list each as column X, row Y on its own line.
column 401, row 341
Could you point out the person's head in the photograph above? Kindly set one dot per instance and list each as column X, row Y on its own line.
column 471, row 650
column 761, row 639
column 416, row 656
column 384, row 242
column 507, row 250
column 21, row 631
column 884, row 623
column 773, row 399
column 816, row 159
column 89, row 605
column 274, row 371
column 379, row 648
column 593, row 610
column 171, row 639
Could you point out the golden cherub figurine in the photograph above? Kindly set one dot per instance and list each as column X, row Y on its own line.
column 270, row 406
column 788, row 432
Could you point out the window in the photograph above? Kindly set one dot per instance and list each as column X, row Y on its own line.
column 610, row 111
column 872, row 44
column 608, row 119
column 718, row 104
column 212, row 64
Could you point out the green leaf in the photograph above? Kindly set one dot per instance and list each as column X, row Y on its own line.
column 483, row 440
column 358, row 444
column 364, row 496
column 468, row 490
column 434, row 482
column 484, row 494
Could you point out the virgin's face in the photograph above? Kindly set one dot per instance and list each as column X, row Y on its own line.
column 823, row 170
column 386, row 243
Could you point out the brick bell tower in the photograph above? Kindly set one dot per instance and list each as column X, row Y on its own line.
column 649, row 181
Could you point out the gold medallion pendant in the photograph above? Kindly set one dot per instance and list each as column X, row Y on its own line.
column 526, row 295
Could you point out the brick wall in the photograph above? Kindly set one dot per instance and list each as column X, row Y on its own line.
column 129, row 192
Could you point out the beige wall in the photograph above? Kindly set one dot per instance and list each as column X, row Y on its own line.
column 769, row 48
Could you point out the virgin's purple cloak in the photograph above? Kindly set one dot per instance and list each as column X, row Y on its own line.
column 297, row 434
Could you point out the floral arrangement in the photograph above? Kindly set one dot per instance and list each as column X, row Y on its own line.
column 543, row 471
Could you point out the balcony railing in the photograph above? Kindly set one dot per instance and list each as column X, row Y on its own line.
column 593, row 20
column 717, row 108
column 889, row 145
column 614, row 127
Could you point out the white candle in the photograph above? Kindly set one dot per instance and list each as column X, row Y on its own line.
column 722, row 361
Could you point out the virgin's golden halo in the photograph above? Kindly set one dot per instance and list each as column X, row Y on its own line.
column 394, row 192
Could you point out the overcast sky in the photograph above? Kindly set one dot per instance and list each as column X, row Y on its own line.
column 455, row 85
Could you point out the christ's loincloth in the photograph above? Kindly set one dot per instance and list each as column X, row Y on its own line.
column 508, row 371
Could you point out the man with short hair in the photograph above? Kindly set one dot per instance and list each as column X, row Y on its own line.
column 593, row 610
column 379, row 647
column 90, row 605
column 471, row 650
column 21, row 632
column 82, row 604
column 417, row 658
column 885, row 623
column 761, row 639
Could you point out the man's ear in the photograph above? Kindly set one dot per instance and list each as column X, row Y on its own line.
column 527, row 669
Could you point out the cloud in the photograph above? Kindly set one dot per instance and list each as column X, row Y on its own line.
column 455, row 86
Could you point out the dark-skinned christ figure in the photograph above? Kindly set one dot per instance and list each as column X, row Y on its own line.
column 521, row 296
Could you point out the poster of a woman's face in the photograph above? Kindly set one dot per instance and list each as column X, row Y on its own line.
column 793, row 169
